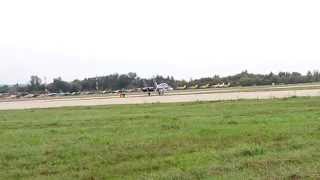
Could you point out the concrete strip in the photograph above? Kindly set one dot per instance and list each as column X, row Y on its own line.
column 157, row 99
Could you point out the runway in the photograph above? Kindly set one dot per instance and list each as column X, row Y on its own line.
column 169, row 98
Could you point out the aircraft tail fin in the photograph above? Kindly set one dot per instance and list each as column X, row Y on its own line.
column 155, row 83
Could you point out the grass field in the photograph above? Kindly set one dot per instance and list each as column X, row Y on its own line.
column 266, row 139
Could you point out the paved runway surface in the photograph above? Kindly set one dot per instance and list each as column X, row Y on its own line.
column 140, row 99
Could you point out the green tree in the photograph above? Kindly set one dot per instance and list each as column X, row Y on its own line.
column 35, row 84
column 4, row 89
column 59, row 85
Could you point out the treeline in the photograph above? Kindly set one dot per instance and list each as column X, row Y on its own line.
column 133, row 81
column 248, row 79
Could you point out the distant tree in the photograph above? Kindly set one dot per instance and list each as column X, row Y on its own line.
column 132, row 80
column 4, row 89
column 316, row 75
column 247, row 81
column 35, row 81
column 59, row 85
column 22, row 88
column 124, row 81
column 309, row 77
column 14, row 89
column 132, row 75
column 76, row 86
column 35, row 84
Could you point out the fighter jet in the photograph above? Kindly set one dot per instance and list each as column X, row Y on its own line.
column 147, row 88
column 162, row 88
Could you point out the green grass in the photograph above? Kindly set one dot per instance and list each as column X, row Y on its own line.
column 269, row 139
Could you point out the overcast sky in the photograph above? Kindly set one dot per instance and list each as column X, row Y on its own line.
column 81, row 38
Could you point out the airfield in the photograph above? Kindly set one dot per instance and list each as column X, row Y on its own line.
column 247, row 139
column 191, row 95
column 271, row 133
